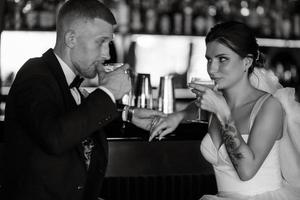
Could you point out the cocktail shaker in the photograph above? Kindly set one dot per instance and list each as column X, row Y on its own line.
column 143, row 96
column 166, row 95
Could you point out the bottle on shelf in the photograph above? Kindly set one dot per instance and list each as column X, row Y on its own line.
column 188, row 14
column 31, row 15
column 266, row 22
column 199, row 17
column 122, row 16
column 177, row 18
column 150, row 16
column 47, row 15
column 210, row 19
column 18, row 16
column 164, row 10
column 136, row 24
column 277, row 18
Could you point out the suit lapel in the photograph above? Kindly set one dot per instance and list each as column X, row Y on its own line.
column 56, row 70
column 69, row 102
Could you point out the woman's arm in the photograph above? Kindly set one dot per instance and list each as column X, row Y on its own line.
column 267, row 127
column 165, row 125
column 247, row 158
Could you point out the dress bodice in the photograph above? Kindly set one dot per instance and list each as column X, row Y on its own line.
column 268, row 177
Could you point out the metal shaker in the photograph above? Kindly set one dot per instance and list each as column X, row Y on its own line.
column 144, row 98
column 166, row 95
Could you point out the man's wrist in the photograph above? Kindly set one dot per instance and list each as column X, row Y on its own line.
column 127, row 113
column 130, row 113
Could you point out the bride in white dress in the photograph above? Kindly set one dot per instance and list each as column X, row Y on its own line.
column 253, row 139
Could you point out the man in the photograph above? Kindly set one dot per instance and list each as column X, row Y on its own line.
column 55, row 146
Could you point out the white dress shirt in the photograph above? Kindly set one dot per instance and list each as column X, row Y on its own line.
column 70, row 75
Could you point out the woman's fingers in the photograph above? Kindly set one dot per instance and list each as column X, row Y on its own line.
column 198, row 87
column 216, row 87
column 157, row 129
column 154, row 121
column 164, row 133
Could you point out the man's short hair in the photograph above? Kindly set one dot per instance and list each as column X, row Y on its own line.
column 84, row 9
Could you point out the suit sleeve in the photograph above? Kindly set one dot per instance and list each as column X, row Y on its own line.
column 42, row 110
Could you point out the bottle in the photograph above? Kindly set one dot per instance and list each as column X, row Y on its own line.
column 277, row 16
column 199, row 21
column 9, row 12
column 188, row 13
column 164, row 17
column 286, row 26
column 122, row 15
column 31, row 15
column 136, row 25
column 18, row 17
column 177, row 18
column 210, row 20
column 297, row 25
column 150, row 16
column 47, row 14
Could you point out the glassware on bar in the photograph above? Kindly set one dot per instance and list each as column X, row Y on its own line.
column 202, row 115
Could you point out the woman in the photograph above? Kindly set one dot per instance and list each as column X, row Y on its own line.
column 248, row 138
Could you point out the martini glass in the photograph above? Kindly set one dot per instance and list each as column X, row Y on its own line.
column 205, row 83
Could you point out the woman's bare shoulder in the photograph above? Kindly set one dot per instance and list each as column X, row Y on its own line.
column 270, row 117
column 272, row 104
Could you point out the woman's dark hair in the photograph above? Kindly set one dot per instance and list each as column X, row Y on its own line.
column 238, row 37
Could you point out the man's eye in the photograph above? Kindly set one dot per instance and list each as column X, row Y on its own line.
column 100, row 42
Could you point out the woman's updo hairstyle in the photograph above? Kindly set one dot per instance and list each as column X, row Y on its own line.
column 238, row 37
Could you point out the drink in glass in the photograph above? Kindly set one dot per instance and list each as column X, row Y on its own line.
column 202, row 115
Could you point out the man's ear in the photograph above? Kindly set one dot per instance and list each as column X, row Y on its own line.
column 70, row 39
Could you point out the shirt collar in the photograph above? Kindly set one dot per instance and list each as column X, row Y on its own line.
column 69, row 74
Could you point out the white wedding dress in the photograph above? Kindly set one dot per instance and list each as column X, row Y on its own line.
column 279, row 176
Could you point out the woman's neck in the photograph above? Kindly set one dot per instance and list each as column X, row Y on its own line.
column 240, row 94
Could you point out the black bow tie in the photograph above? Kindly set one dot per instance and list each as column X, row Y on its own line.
column 76, row 82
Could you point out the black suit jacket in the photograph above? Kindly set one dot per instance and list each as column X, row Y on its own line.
column 43, row 134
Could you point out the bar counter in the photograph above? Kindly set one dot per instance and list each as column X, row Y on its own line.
column 177, row 153
column 172, row 168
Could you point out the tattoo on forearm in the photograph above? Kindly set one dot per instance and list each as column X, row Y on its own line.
column 232, row 142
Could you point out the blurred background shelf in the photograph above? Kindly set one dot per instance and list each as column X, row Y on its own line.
column 269, row 18
column 159, row 37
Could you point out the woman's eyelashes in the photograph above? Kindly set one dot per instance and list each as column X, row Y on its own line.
column 209, row 61
column 222, row 59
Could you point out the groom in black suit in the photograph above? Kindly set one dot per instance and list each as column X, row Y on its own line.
column 55, row 146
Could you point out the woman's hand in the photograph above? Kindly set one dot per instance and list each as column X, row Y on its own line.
column 162, row 126
column 213, row 101
column 144, row 118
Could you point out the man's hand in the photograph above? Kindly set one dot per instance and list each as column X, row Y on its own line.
column 165, row 125
column 143, row 117
column 118, row 82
